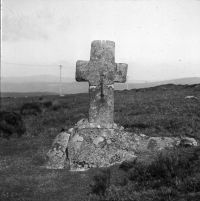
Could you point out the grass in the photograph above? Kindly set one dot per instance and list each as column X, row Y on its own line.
column 173, row 175
column 158, row 111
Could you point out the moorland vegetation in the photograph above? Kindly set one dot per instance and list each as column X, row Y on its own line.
column 158, row 111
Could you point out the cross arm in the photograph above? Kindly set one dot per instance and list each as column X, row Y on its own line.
column 121, row 72
column 82, row 70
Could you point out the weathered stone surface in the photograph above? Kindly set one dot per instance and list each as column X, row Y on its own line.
column 57, row 154
column 101, row 72
column 101, row 108
column 98, row 140
column 186, row 141
column 146, row 143
column 102, row 147
column 94, row 149
column 71, row 130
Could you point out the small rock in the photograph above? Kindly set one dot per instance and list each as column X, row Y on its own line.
column 104, row 135
column 137, row 138
column 191, row 97
column 115, row 126
column 121, row 128
column 186, row 141
column 71, row 130
column 108, row 141
column 77, row 141
column 77, row 138
column 143, row 135
column 102, row 144
column 81, row 122
column 97, row 140
column 152, row 145
column 86, row 166
column 57, row 154
column 92, row 125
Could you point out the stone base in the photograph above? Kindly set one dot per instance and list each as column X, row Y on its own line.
column 96, row 147
column 91, row 146
column 56, row 156
column 100, row 147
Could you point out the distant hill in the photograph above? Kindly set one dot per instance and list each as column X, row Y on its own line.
column 26, row 94
column 182, row 81
column 50, row 84
column 36, row 78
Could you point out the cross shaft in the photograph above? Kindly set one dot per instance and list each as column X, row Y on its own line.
column 101, row 72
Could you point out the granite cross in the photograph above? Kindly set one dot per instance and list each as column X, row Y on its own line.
column 101, row 72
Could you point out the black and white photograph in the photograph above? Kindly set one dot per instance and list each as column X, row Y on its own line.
column 100, row 100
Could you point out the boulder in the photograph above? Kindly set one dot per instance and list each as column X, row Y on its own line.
column 88, row 146
column 188, row 142
column 191, row 97
column 57, row 155
column 102, row 147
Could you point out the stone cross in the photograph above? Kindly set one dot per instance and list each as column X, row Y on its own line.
column 101, row 72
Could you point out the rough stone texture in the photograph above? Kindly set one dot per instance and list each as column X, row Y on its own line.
column 101, row 72
column 99, row 142
column 99, row 147
column 57, row 154
column 91, row 145
column 186, row 141
column 102, row 147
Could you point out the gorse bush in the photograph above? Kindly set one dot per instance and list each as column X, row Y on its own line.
column 47, row 104
column 30, row 109
column 56, row 105
column 11, row 123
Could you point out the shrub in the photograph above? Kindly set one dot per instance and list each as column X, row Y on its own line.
column 30, row 109
column 47, row 104
column 56, row 105
column 178, row 163
column 11, row 123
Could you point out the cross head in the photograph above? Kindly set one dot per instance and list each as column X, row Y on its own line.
column 101, row 72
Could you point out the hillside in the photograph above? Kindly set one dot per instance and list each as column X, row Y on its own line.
column 50, row 84
column 155, row 111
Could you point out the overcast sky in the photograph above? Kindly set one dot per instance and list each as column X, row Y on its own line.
column 159, row 39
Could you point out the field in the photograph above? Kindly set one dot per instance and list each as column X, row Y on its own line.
column 156, row 111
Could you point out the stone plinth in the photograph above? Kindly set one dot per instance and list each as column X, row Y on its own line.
column 90, row 146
